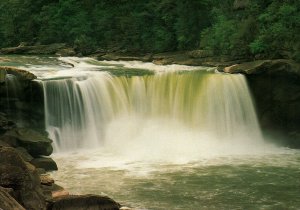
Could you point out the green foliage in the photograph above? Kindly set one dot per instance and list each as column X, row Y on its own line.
column 265, row 27
column 268, row 27
column 257, row 47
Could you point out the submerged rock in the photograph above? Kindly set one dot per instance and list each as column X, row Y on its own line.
column 79, row 202
column 34, row 142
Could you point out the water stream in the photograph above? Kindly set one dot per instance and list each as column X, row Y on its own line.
column 162, row 137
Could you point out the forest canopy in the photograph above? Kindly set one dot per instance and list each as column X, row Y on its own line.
column 225, row 27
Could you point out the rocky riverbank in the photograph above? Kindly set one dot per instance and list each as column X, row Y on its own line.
column 24, row 153
column 24, row 182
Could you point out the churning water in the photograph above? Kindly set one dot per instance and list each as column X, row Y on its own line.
column 163, row 137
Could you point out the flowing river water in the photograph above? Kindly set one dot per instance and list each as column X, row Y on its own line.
column 161, row 137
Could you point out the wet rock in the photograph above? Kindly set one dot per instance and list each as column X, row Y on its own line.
column 7, row 202
column 46, row 179
column 34, row 142
column 46, row 163
column 53, row 190
column 79, row 202
column 20, row 73
column 60, row 193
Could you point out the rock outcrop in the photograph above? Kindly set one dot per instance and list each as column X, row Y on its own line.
column 22, row 177
column 24, row 183
column 275, row 85
column 34, row 142
column 58, row 48
column 20, row 73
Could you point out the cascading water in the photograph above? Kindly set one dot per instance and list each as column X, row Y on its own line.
column 178, row 113
column 171, row 139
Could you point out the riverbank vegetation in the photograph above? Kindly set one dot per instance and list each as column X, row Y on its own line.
column 238, row 28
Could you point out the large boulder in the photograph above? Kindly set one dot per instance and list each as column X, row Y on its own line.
column 275, row 86
column 46, row 163
column 7, row 202
column 34, row 142
column 22, row 177
column 79, row 202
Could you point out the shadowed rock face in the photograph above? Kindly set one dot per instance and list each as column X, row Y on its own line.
column 21, row 74
column 35, row 143
column 8, row 202
column 22, row 178
column 21, row 98
column 275, row 85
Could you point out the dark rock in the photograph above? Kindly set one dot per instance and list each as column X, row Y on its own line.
column 79, row 202
column 266, row 66
column 7, row 202
column 22, row 178
column 24, row 154
column 2, row 76
column 200, row 53
column 53, row 190
column 5, row 124
column 35, row 143
column 66, row 52
column 4, row 144
column 275, row 86
column 46, row 163
column 10, row 140
column 35, row 50
column 123, row 57
column 20, row 73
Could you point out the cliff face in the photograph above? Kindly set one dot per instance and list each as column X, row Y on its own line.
column 21, row 98
column 275, row 86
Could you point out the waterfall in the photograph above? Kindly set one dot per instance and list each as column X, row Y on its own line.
column 175, row 110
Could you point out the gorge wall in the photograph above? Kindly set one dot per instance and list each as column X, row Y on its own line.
column 275, row 86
